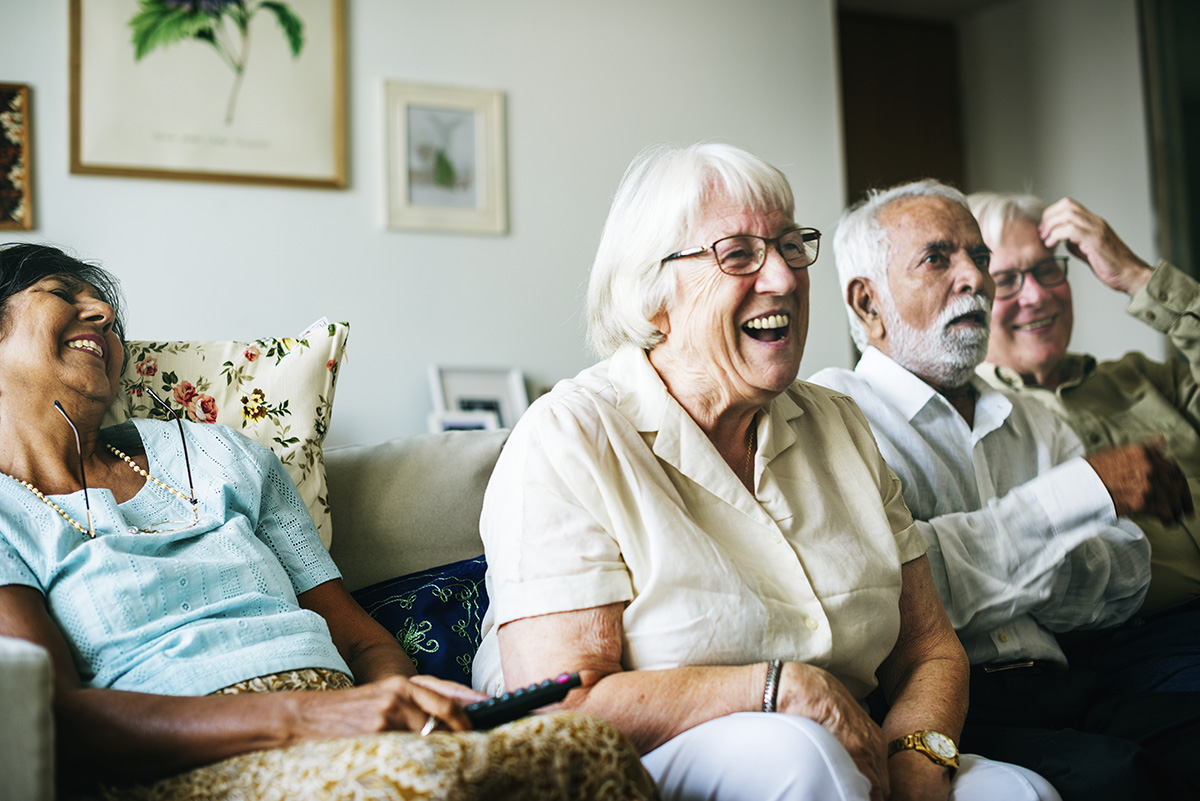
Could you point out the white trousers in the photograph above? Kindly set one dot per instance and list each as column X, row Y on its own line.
column 757, row 756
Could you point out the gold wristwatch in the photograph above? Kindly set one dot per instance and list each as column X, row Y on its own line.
column 935, row 745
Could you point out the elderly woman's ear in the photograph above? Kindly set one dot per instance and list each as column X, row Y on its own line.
column 662, row 321
column 862, row 297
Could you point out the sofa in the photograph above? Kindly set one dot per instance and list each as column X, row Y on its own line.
column 393, row 514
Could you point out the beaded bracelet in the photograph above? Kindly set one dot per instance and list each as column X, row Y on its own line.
column 771, row 691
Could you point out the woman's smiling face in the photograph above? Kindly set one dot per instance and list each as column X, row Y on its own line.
column 741, row 336
column 59, row 333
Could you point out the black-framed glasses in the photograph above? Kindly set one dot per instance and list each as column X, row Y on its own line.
column 1048, row 273
column 167, row 526
column 745, row 254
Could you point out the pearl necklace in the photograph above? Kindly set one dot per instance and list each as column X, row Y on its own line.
column 72, row 520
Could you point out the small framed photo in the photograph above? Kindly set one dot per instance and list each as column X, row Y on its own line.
column 446, row 159
column 497, row 391
column 462, row 421
column 16, row 182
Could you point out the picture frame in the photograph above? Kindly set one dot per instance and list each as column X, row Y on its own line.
column 160, row 90
column 16, row 173
column 446, row 167
column 500, row 391
column 462, row 421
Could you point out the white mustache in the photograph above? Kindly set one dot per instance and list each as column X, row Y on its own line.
column 965, row 304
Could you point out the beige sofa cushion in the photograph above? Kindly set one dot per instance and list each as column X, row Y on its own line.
column 409, row 503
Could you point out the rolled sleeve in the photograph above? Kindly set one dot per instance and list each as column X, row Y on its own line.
column 544, row 524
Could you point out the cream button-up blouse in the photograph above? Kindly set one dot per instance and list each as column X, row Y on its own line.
column 607, row 491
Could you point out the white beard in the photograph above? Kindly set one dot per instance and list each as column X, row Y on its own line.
column 946, row 356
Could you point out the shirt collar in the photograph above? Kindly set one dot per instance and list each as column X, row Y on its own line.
column 641, row 395
column 900, row 388
column 1075, row 368
column 642, row 398
column 908, row 394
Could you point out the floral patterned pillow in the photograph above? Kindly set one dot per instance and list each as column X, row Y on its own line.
column 278, row 392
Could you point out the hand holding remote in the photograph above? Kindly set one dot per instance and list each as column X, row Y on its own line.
column 518, row 703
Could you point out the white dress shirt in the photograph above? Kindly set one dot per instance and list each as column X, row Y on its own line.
column 608, row 492
column 1023, row 537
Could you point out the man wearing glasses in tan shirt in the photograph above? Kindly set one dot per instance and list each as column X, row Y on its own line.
column 1131, row 399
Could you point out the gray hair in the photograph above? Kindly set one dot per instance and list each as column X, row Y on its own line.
column 995, row 210
column 663, row 195
column 861, row 247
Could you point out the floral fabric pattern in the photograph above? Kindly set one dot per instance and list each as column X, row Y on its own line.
column 279, row 392
column 435, row 614
column 561, row 756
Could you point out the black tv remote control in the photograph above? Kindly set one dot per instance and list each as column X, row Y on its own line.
column 518, row 703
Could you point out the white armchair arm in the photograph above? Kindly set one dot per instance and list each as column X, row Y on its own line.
column 27, row 722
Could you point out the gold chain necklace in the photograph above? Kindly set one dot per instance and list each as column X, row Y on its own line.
column 750, row 450
column 72, row 520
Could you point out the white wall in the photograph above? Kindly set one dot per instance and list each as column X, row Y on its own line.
column 1053, row 104
column 588, row 85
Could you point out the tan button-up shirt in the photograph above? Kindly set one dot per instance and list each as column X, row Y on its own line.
column 1133, row 399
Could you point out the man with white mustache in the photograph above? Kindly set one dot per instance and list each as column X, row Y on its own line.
column 1027, row 537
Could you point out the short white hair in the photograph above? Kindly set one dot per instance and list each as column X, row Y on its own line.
column 861, row 247
column 662, row 197
column 995, row 210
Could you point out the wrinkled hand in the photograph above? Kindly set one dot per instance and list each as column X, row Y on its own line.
column 1090, row 238
column 391, row 704
column 815, row 694
column 1141, row 480
column 461, row 693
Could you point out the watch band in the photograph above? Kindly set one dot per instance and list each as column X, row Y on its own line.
column 771, row 689
column 905, row 743
column 931, row 744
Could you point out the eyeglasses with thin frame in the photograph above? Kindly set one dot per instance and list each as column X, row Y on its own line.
column 1048, row 273
column 745, row 254
column 165, row 527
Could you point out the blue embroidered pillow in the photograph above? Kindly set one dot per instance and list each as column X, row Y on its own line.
column 435, row 614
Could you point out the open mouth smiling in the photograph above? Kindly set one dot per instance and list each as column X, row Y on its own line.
column 768, row 328
column 88, row 345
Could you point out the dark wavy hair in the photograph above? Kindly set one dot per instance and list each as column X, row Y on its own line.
column 23, row 265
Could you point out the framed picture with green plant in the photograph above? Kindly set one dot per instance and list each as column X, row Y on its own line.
column 446, row 158
column 250, row 91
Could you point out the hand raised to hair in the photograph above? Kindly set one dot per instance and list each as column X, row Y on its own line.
column 1089, row 237
column 815, row 694
column 1142, row 480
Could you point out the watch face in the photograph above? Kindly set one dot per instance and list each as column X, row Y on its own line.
column 940, row 744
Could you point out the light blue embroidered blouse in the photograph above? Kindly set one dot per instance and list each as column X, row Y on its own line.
column 186, row 612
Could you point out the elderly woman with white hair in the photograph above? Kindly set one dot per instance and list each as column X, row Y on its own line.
column 668, row 523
